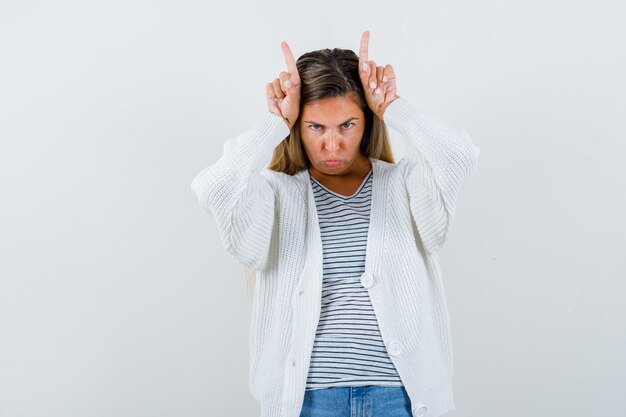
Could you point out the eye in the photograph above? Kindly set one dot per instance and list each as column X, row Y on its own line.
column 315, row 127
column 347, row 125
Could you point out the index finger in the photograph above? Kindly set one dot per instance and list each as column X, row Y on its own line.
column 289, row 59
column 364, row 45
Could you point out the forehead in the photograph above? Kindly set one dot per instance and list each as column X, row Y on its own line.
column 332, row 109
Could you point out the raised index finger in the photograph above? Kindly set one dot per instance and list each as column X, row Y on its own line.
column 363, row 49
column 289, row 59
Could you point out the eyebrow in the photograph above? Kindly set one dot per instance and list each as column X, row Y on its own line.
column 319, row 124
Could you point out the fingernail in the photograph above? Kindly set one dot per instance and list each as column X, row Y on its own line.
column 372, row 84
column 287, row 83
column 364, row 67
column 377, row 91
column 384, row 78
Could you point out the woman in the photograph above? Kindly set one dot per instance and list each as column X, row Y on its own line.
column 349, row 314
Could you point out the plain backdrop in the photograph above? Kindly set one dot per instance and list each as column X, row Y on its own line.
column 116, row 296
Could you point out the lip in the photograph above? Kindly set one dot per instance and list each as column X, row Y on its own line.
column 332, row 162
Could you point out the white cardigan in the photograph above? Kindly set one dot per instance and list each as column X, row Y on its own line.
column 268, row 221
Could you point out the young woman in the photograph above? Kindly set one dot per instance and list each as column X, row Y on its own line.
column 349, row 313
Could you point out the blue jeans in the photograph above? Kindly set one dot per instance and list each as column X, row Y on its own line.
column 365, row 401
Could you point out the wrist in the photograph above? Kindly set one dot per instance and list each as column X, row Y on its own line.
column 381, row 112
column 288, row 123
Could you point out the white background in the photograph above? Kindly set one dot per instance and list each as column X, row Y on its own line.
column 116, row 296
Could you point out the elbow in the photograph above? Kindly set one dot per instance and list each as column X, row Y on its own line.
column 209, row 187
column 472, row 152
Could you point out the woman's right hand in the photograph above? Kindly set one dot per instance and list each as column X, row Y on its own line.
column 283, row 94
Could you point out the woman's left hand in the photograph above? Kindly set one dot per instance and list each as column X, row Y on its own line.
column 379, row 83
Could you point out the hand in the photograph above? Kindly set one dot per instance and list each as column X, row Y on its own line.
column 283, row 94
column 379, row 83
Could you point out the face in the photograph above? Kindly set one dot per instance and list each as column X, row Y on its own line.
column 331, row 130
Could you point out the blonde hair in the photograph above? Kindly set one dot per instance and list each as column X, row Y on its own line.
column 323, row 74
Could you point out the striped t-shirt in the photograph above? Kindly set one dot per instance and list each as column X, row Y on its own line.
column 348, row 348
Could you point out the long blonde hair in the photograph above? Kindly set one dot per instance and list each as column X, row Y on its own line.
column 323, row 74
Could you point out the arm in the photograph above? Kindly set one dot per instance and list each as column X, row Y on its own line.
column 440, row 161
column 441, row 158
column 239, row 196
column 235, row 188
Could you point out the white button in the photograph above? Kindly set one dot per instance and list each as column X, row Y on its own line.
column 367, row 279
column 394, row 348
column 420, row 411
column 301, row 292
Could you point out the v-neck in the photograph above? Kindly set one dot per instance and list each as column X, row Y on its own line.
column 346, row 197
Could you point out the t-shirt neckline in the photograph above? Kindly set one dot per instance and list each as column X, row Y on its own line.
column 345, row 197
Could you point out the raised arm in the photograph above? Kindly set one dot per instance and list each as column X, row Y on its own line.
column 236, row 188
column 440, row 160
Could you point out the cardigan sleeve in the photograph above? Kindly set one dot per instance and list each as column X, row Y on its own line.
column 441, row 159
column 235, row 190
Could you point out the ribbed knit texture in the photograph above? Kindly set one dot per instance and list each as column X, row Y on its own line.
column 268, row 221
column 348, row 349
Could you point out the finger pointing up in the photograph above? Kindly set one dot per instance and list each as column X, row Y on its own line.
column 291, row 63
column 363, row 58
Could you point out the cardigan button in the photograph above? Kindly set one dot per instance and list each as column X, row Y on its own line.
column 394, row 348
column 420, row 411
column 367, row 279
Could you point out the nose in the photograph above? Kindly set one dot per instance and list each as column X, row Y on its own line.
column 331, row 142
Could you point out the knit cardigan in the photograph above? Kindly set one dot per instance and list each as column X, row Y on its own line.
column 267, row 220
